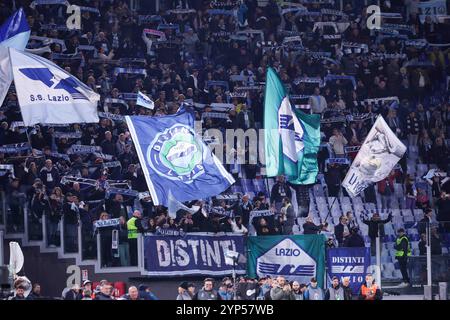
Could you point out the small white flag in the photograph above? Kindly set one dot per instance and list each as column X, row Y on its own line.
column 144, row 101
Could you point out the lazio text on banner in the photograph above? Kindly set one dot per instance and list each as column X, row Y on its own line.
column 298, row 257
column 175, row 159
column 48, row 94
column 193, row 254
column 378, row 155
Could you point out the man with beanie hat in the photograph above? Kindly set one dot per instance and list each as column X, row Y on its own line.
column 313, row 292
column 183, row 291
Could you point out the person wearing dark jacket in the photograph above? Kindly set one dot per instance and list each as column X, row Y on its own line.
column 341, row 230
column 105, row 292
column 310, row 228
column 207, row 292
column 355, row 240
column 20, row 291
column 280, row 190
column 73, row 293
column 376, row 229
column 49, row 175
column 336, row 291
column 35, row 293
column 71, row 217
column 423, row 224
column 348, row 292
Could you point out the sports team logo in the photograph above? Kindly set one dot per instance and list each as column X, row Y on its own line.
column 45, row 76
column 290, row 130
column 289, row 260
column 176, row 154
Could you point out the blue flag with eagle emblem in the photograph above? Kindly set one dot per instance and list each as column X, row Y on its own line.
column 292, row 138
column 175, row 159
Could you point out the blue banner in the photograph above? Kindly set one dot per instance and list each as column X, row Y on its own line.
column 175, row 159
column 349, row 262
column 193, row 254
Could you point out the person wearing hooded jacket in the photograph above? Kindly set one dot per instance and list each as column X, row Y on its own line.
column 145, row 293
column 183, row 291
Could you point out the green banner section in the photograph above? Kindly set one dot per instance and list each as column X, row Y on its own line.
column 297, row 257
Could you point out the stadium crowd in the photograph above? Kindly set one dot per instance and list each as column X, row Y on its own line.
column 244, row 288
column 216, row 61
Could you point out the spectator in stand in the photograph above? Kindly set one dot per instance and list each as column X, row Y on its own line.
column 348, row 292
column 237, row 226
column 106, row 259
column 105, row 292
column 412, row 129
column 280, row 190
column 423, row 244
column 207, row 292
column 436, row 242
column 338, row 142
column 49, row 175
column 73, row 293
column 185, row 291
column 309, row 227
column 71, row 219
column 35, row 293
column 145, row 293
column 313, row 292
column 386, row 190
column 287, row 216
column 297, row 290
column 410, row 194
column 376, row 228
column 317, row 102
column 244, row 209
column 341, row 230
column 133, row 294
column 336, row 291
column 355, row 240
column 282, row 291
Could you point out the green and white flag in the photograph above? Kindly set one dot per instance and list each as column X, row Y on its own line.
column 292, row 137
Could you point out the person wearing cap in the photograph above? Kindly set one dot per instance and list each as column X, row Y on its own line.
column 313, row 292
column 403, row 251
column 207, row 292
column 335, row 292
column 369, row 290
column 183, row 291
